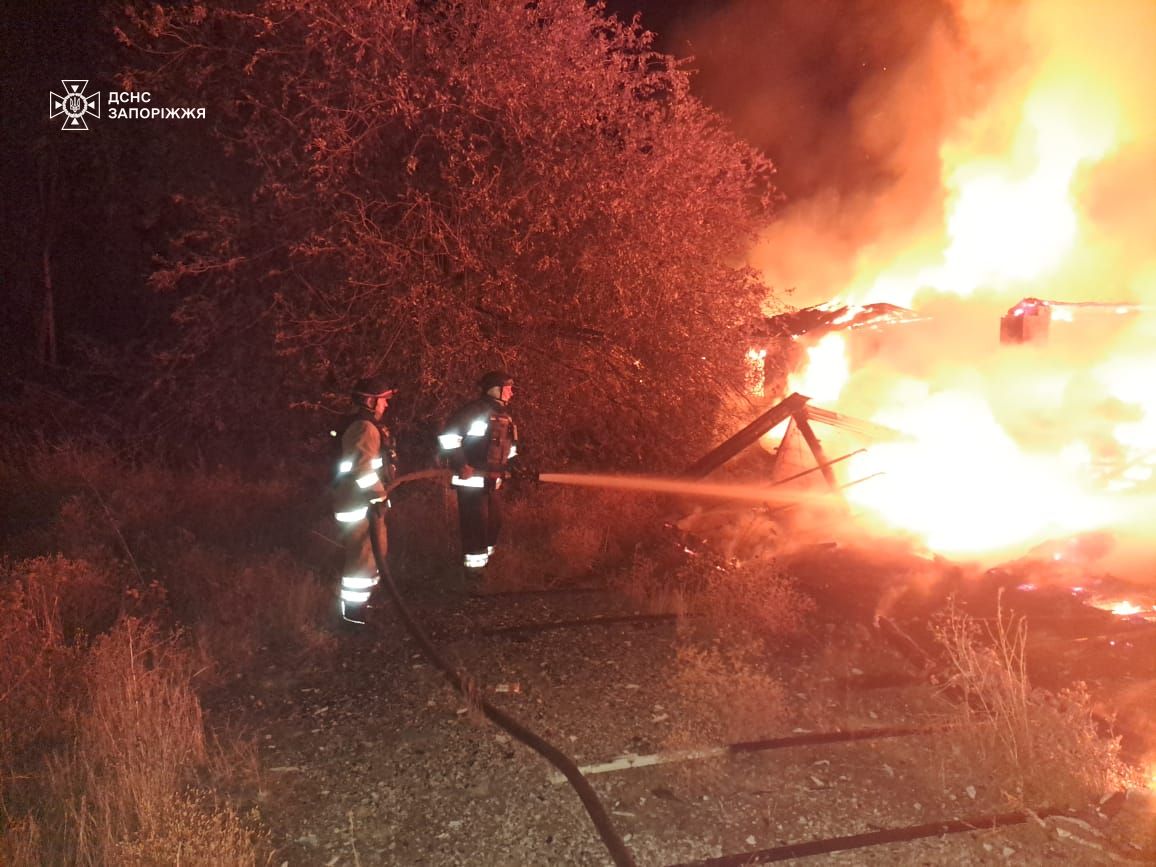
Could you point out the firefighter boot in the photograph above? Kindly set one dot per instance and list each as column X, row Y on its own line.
column 354, row 614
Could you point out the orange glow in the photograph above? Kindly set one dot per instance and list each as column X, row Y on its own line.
column 1126, row 609
column 826, row 370
column 1017, row 444
column 963, row 485
column 1011, row 217
column 756, row 371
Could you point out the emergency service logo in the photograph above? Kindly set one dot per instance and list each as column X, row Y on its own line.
column 74, row 105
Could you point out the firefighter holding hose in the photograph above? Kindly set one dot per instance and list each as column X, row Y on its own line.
column 478, row 443
column 368, row 463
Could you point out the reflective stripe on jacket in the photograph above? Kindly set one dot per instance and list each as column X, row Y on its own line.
column 481, row 434
column 364, row 469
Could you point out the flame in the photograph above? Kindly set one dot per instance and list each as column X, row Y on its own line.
column 964, row 485
column 1013, row 445
column 1125, row 609
column 1011, row 218
column 825, row 371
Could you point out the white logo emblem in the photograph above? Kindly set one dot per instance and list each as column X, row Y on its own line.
column 74, row 105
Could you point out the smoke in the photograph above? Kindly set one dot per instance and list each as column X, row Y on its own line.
column 956, row 156
column 869, row 107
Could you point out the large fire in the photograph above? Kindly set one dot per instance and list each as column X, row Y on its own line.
column 1013, row 445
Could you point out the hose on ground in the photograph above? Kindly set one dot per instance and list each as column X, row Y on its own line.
column 594, row 808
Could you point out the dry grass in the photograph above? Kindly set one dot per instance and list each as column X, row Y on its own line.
column 237, row 605
column 724, row 686
column 1039, row 746
column 39, row 670
column 556, row 536
column 209, row 552
column 723, row 693
column 122, row 788
column 753, row 599
column 149, row 581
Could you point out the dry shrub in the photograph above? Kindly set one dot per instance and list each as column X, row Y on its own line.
column 295, row 601
column 119, row 794
column 101, row 736
column 105, row 504
column 47, row 607
column 1039, row 746
column 756, row 598
column 141, row 727
column 238, row 606
column 192, row 534
column 555, row 536
column 150, row 506
column 423, row 528
column 35, row 676
column 737, row 533
column 195, row 830
column 21, row 842
column 725, row 690
column 198, row 576
column 723, row 693
column 86, row 596
column 83, row 530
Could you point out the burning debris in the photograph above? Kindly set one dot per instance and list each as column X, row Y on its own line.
column 814, row 323
column 1030, row 320
column 807, row 335
column 1039, row 187
column 1030, row 450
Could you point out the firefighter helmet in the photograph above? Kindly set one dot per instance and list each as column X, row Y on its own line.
column 372, row 386
column 495, row 379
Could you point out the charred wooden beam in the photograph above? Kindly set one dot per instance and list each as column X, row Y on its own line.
column 748, row 436
column 816, row 449
column 868, row 429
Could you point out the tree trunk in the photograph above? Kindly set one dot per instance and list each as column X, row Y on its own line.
column 46, row 328
column 46, row 338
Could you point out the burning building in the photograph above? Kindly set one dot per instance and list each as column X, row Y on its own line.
column 1044, row 427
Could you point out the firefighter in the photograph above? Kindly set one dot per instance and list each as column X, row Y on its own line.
column 367, row 464
column 478, row 443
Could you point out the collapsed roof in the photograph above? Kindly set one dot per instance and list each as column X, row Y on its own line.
column 822, row 319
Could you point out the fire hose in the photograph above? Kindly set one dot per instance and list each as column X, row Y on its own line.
column 597, row 812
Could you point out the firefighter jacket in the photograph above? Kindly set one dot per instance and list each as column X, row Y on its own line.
column 367, row 464
column 481, row 434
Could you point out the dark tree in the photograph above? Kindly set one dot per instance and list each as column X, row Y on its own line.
column 433, row 189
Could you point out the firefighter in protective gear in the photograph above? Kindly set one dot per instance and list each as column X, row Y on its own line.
column 478, row 443
column 367, row 464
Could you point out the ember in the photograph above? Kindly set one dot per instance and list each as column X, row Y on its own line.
column 1126, row 609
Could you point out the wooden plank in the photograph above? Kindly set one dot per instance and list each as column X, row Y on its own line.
column 816, row 449
column 748, row 436
column 869, row 429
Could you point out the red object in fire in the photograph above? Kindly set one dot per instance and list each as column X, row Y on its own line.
column 1030, row 320
column 1027, row 322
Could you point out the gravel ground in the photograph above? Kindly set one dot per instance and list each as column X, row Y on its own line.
column 368, row 757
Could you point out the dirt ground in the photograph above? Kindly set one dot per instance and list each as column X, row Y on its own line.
column 368, row 757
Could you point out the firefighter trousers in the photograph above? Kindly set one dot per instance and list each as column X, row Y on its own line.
column 359, row 576
column 480, row 519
